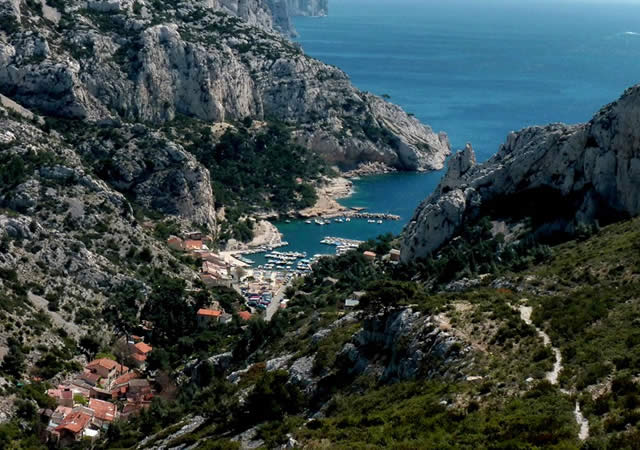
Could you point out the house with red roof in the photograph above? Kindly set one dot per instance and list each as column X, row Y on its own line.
column 192, row 244
column 73, row 426
column 208, row 316
column 103, row 412
column 244, row 315
column 63, row 396
column 139, row 352
column 106, row 368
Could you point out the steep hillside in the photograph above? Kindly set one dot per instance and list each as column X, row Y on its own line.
column 532, row 357
column 559, row 175
column 151, row 61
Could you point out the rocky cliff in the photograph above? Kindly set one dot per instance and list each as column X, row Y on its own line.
column 218, row 61
column 313, row 8
column 558, row 174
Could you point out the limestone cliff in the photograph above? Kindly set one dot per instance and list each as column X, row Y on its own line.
column 558, row 174
column 313, row 8
column 216, row 60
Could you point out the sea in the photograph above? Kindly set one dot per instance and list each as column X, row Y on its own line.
column 474, row 69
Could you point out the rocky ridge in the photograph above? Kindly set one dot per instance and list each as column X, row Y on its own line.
column 580, row 173
column 217, row 61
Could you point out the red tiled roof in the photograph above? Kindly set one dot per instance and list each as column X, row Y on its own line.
column 108, row 364
column 142, row 347
column 139, row 357
column 66, row 394
column 75, row 422
column 125, row 378
column 209, row 312
column 244, row 315
column 103, row 410
column 193, row 245
column 88, row 376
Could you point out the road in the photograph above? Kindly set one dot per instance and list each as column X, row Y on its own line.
column 275, row 304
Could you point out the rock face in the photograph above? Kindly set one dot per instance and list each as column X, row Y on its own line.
column 313, row 8
column 558, row 174
column 215, row 60
column 407, row 345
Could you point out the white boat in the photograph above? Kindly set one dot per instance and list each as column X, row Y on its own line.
column 379, row 221
column 371, row 221
column 307, row 221
column 347, row 219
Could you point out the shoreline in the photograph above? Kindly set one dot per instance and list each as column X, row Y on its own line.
column 328, row 195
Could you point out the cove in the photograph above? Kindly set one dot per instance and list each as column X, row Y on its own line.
column 476, row 70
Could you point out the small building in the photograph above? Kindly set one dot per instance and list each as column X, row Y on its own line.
column 104, row 412
column 63, row 396
column 106, row 368
column 351, row 303
column 191, row 245
column 73, row 426
column 369, row 256
column 244, row 315
column 210, row 280
column 208, row 316
column 175, row 243
column 91, row 378
column 139, row 390
column 139, row 352
column 394, row 255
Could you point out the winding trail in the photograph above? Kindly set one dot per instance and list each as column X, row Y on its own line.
column 552, row 376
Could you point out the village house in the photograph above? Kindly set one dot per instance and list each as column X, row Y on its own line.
column 132, row 409
column 63, row 396
column 214, row 268
column 394, row 255
column 369, row 256
column 139, row 390
column 75, row 426
column 244, row 315
column 175, row 243
column 210, row 280
column 104, row 368
column 208, row 316
column 104, row 412
column 139, row 352
column 191, row 245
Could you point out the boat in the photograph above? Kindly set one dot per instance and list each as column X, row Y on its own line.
column 347, row 219
column 371, row 221
column 307, row 221
column 379, row 221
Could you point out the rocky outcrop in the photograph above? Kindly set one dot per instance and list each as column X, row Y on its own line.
column 215, row 60
column 402, row 346
column 313, row 8
column 558, row 174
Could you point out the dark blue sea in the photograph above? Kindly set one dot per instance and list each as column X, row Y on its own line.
column 475, row 69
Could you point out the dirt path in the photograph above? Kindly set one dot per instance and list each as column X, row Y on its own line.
column 583, row 434
column 552, row 376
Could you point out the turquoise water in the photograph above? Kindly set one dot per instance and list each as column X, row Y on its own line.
column 476, row 70
column 397, row 194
